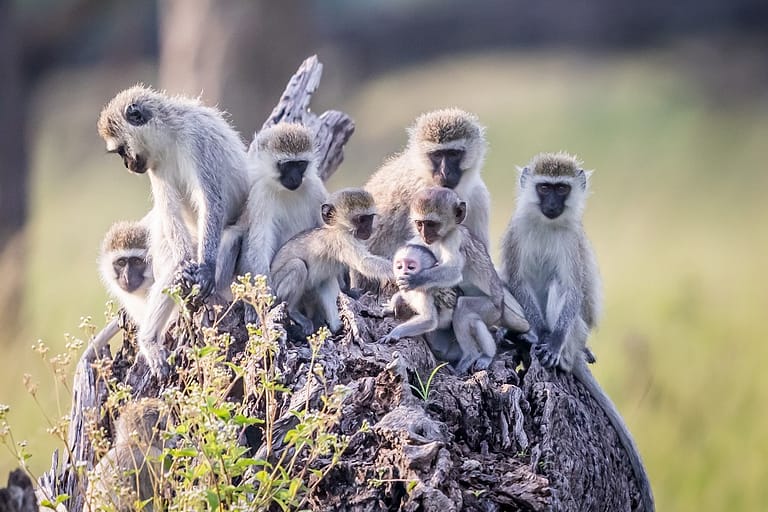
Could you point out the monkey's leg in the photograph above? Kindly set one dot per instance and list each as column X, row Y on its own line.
column 470, row 318
column 485, row 342
column 290, row 287
column 328, row 293
column 420, row 323
column 160, row 308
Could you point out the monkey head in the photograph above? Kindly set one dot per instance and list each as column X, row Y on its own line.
column 447, row 144
column 286, row 153
column 412, row 259
column 554, row 185
column 435, row 212
column 124, row 257
column 352, row 210
column 142, row 422
column 132, row 126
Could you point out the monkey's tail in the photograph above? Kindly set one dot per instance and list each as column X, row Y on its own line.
column 582, row 373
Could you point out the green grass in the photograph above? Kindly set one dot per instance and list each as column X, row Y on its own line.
column 676, row 216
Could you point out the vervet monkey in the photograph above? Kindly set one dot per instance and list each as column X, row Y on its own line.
column 125, row 267
column 437, row 213
column 306, row 269
column 196, row 163
column 285, row 196
column 131, row 470
column 423, row 311
column 548, row 261
column 445, row 148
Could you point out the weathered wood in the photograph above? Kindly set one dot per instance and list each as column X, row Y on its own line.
column 332, row 129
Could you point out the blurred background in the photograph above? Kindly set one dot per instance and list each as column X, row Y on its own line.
column 667, row 101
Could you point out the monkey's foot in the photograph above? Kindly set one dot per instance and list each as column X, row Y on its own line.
column 589, row 356
column 528, row 337
column 156, row 357
column 390, row 339
column 482, row 363
column 548, row 357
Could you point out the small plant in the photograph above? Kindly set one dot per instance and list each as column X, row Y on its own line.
column 198, row 462
column 422, row 390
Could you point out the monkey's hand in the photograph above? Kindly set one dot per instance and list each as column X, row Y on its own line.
column 206, row 278
column 411, row 281
column 250, row 316
column 157, row 359
column 549, row 350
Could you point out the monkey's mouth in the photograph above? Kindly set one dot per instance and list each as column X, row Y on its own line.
column 552, row 213
column 137, row 165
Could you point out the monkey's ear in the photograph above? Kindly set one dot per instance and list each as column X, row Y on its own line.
column 583, row 177
column 461, row 212
column 329, row 212
column 137, row 115
column 525, row 173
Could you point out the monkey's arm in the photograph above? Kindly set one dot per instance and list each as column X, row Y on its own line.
column 423, row 320
column 478, row 220
column 563, row 307
column 210, row 226
column 372, row 267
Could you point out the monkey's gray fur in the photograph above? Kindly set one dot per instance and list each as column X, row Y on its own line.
column 403, row 175
column 133, row 463
column 305, row 270
column 285, row 196
column 438, row 214
column 548, row 261
column 196, row 164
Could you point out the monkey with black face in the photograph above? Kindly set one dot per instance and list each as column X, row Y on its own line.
column 133, row 463
column 125, row 267
column 285, row 198
column 305, row 270
column 437, row 214
column 196, row 163
column 446, row 148
column 547, row 259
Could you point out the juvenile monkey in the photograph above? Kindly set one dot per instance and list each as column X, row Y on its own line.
column 437, row 213
column 445, row 148
column 424, row 311
column 547, row 259
column 133, row 463
column 125, row 267
column 305, row 270
column 196, row 165
column 285, row 197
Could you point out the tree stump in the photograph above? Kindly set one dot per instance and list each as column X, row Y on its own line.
column 513, row 437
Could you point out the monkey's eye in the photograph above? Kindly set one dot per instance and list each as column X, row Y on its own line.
column 453, row 153
column 135, row 261
column 136, row 115
column 544, row 188
column 412, row 266
column 562, row 189
column 121, row 262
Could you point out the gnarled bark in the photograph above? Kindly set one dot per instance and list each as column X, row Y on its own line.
column 513, row 437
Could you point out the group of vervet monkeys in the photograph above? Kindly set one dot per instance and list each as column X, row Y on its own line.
column 421, row 222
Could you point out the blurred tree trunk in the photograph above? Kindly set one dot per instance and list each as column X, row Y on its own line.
column 13, row 170
column 235, row 53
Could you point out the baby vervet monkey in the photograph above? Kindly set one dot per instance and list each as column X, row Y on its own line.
column 285, row 198
column 305, row 271
column 196, row 164
column 125, row 266
column 464, row 261
column 131, row 471
column 423, row 310
column 548, row 260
